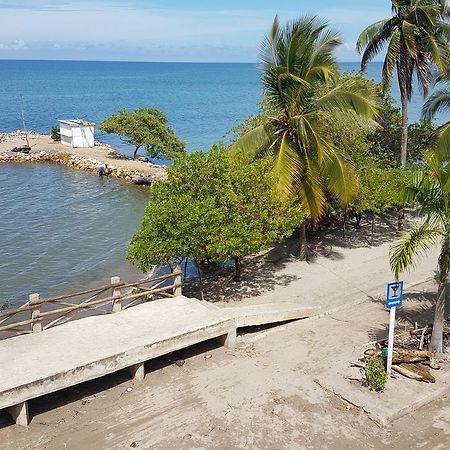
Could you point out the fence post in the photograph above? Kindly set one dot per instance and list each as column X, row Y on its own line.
column 36, row 327
column 117, row 305
column 177, row 280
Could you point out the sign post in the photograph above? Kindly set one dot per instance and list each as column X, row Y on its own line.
column 394, row 298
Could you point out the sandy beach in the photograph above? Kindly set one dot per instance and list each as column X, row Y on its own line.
column 44, row 149
column 265, row 394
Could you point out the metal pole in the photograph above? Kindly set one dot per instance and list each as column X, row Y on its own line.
column 391, row 340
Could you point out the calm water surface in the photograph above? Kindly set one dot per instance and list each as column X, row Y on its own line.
column 62, row 229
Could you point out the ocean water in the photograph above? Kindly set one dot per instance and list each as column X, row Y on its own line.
column 202, row 101
column 62, row 229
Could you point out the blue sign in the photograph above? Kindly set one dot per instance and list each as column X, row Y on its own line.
column 394, row 294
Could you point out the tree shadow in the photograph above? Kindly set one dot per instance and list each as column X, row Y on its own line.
column 417, row 309
column 385, row 229
column 260, row 273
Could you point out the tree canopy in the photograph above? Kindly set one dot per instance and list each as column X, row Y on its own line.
column 148, row 128
column 416, row 40
column 211, row 209
column 301, row 83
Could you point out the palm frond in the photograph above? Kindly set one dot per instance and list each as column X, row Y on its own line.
column 253, row 142
column 437, row 102
column 287, row 166
column 345, row 97
column 412, row 246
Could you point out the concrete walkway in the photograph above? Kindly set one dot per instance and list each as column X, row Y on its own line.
column 41, row 363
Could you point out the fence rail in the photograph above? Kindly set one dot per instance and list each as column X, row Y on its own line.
column 39, row 314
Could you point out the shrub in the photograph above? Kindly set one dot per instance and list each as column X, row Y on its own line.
column 376, row 374
column 55, row 134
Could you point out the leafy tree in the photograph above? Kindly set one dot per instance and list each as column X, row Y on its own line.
column 430, row 189
column 415, row 38
column 301, row 84
column 145, row 127
column 380, row 189
column 212, row 209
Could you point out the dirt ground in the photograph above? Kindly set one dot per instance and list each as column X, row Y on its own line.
column 268, row 393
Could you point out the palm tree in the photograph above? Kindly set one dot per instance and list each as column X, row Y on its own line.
column 430, row 189
column 300, row 78
column 437, row 102
column 416, row 39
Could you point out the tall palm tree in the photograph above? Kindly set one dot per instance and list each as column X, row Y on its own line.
column 300, row 78
column 416, row 39
column 430, row 189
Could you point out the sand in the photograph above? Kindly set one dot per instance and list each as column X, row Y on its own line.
column 272, row 392
column 99, row 153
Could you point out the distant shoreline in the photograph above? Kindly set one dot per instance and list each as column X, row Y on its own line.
column 44, row 149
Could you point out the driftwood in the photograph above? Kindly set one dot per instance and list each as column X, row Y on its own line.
column 417, row 372
column 402, row 355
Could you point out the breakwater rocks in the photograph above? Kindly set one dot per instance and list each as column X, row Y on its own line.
column 81, row 163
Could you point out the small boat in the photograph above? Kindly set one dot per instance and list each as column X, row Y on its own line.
column 22, row 149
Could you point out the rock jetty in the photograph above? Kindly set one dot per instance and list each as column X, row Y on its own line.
column 43, row 149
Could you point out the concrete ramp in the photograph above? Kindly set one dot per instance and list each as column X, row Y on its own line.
column 268, row 313
column 37, row 364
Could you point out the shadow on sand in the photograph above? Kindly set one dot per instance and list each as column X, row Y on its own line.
column 265, row 271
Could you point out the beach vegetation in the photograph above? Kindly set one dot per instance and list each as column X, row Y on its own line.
column 302, row 86
column 54, row 134
column 146, row 128
column 212, row 209
column 416, row 40
column 430, row 191
column 376, row 374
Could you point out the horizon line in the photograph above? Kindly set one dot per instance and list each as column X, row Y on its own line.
column 152, row 62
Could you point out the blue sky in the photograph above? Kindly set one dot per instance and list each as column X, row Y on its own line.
column 169, row 30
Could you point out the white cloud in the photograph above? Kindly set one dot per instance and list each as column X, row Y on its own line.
column 13, row 45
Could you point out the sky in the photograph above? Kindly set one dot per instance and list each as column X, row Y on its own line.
column 166, row 30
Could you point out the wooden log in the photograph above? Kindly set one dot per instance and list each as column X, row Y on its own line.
column 406, row 372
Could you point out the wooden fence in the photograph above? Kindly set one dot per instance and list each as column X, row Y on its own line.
column 41, row 314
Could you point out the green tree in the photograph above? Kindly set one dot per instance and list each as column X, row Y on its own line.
column 416, row 39
column 211, row 209
column 430, row 189
column 380, row 189
column 145, row 127
column 301, row 84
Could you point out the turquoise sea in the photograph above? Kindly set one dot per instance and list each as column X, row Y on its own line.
column 62, row 229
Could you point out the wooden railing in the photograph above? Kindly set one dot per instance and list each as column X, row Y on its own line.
column 41, row 314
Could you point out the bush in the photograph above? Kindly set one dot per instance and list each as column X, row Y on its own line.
column 376, row 374
column 55, row 134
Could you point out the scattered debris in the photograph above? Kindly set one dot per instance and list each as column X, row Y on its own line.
column 134, row 444
column 187, row 436
column 208, row 356
column 180, row 362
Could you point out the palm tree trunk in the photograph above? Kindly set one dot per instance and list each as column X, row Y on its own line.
column 439, row 309
column 303, row 241
column 404, row 142
column 136, row 150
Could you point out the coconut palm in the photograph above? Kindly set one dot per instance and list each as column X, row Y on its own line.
column 430, row 189
column 416, row 39
column 300, row 78
column 439, row 101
